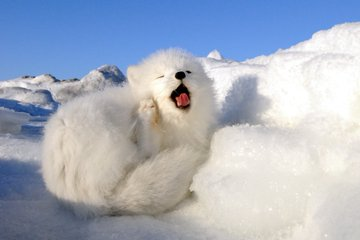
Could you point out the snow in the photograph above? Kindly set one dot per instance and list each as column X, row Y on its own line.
column 215, row 54
column 65, row 90
column 11, row 122
column 283, row 163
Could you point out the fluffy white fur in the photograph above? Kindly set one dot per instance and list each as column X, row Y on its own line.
column 131, row 150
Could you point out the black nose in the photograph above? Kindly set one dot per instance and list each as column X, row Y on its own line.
column 180, row 75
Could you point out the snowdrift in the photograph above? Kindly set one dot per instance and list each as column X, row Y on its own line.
column 40, row 96
column 284, row 162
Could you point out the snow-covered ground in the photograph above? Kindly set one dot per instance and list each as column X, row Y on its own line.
column 284, row 164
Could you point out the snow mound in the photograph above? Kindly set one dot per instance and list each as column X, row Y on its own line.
column 65, row 90
column 31, row 109
column 288, row 167
column 341, row 39
column 289, row 87
column 40, row 96
column 270, row 180
column 96, row 80
column 215, row 54
column 112, row 73
column 43, row 79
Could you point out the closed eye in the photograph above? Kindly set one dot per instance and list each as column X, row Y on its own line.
column 188, row 72
column 160, row 77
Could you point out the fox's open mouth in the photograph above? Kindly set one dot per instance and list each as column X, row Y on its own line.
column 181, row 97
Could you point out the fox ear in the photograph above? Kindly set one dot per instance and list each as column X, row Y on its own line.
column 133, row 75
column 135, row 79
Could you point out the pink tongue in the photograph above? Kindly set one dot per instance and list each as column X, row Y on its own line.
column 182, row 100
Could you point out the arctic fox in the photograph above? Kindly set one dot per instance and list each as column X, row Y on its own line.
column 132, row 149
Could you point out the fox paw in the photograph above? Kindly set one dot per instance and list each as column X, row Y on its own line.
column 148, row 111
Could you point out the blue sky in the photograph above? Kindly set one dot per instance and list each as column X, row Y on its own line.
column 68, row 38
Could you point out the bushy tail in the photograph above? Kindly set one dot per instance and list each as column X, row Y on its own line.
column 159, row 183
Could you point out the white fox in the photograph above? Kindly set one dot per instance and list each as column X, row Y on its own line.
column 132, row 149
